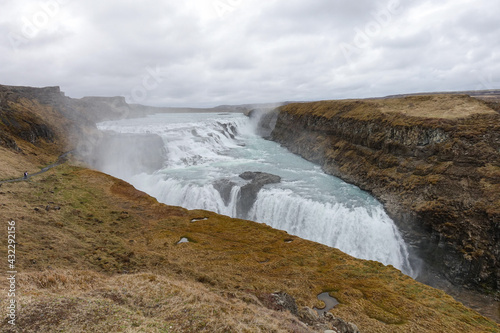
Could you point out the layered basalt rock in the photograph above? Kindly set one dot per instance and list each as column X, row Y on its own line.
column 434, row 161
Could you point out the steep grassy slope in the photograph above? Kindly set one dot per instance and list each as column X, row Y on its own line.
column 434, row 161
column 95, row 254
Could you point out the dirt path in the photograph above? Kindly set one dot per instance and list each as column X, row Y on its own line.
column 60, row 160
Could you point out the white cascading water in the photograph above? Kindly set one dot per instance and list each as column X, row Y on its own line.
column 203, row 149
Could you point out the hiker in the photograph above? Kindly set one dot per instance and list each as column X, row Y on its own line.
column 26, row 175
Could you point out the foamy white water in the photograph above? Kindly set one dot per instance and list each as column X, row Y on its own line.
column 203, row 149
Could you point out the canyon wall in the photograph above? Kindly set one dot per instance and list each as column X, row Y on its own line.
column 40, row 123
column 433, row 161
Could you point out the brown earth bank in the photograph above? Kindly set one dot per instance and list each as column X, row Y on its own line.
column 93, row 254
column 434, row 161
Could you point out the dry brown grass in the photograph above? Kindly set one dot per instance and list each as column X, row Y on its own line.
column 426, row 107
column 437, row 106
column 86, row 301
column 12, row 164
column 107, row 260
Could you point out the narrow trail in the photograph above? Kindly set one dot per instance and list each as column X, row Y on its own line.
column 60, row 160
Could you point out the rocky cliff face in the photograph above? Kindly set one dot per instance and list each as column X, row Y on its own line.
column 19, row 125
column 40, row 117
column 434, row 161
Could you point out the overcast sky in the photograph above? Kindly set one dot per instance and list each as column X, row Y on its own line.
column 211, row 52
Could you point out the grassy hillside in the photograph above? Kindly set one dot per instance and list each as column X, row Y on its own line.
column 427, row 107
column 94, row 255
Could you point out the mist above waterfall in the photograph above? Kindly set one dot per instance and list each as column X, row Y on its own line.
column 205, row 158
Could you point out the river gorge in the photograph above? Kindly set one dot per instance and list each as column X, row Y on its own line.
column 205, row 159
column 388, row 180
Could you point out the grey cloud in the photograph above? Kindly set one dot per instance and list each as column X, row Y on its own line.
column 257, row 51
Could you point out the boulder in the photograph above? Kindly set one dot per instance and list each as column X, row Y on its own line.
column 249, row 192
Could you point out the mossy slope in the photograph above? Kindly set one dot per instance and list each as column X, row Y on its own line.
column 92, row 244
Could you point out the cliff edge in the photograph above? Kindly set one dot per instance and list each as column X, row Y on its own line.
column 434, row 161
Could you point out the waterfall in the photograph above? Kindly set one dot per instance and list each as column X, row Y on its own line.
column 206, row 153
column 173, row 192
column 363, row 232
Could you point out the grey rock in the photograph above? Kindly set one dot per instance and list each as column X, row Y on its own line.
column 308, row 315
column 249, row 192
column 224, row 187
column 286, row 302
